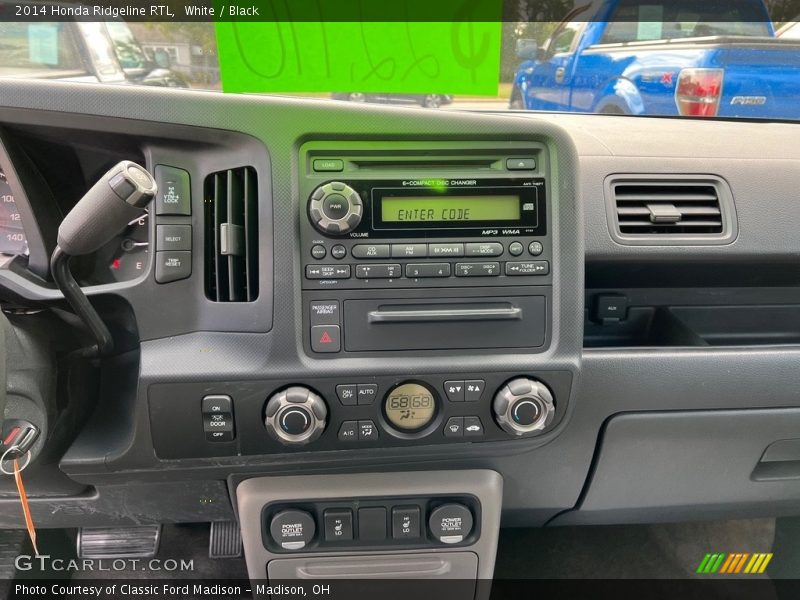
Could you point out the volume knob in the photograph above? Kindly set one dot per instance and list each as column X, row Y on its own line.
column 524, row 406
column 296, row 416
column 335, row 208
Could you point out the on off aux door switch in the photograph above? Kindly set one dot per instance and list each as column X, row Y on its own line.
column 217, row 413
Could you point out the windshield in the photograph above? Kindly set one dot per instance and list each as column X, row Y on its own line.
column 678, row 58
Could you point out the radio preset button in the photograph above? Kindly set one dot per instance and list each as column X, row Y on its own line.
column 484, row 249
column 478, row 269
column 445, row 250
column 535, row 248
column 318, row 251
column 378, row 271
column 535, row 267
column 428, row 270
column 370, row 251
column 515, row 248
column 327, row 271
column 338, row 252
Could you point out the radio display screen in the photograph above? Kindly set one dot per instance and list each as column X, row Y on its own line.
column 450, row 208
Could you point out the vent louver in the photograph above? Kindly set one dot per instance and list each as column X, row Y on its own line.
column 231, row 228
column 655, row 210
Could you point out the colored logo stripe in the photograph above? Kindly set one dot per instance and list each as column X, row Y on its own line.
column 737, row 562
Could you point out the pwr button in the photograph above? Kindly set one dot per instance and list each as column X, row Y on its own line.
column 326, row 338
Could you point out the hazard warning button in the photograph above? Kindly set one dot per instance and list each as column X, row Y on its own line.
column 326, row 338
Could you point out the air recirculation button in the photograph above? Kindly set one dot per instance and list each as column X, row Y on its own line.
column 295, row 416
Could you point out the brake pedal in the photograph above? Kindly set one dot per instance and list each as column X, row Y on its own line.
column 225, row 540
column 119, row 542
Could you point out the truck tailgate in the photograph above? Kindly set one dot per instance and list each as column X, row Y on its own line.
column 761, row 81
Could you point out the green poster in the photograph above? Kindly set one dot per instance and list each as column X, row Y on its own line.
column 456, row 57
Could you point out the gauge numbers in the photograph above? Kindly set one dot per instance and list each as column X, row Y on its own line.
column 12, row 234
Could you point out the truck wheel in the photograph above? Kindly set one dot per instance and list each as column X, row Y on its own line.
column 432, row 101
column 515, row 102
column 357, row 97
column 611, row 110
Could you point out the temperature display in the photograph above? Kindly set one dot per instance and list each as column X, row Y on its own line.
column 12, row 234
column 410, row 407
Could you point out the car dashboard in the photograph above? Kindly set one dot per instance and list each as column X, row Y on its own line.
column 381, row 312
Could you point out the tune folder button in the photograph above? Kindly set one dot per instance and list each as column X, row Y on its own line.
column 534, row 267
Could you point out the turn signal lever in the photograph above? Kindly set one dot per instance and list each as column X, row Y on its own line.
column 105, row 210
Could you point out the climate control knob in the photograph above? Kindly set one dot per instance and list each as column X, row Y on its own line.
column 296, row 416
column 335, row 208
column 524, row 406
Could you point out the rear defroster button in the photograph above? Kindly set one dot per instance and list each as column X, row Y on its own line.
column 450, row 523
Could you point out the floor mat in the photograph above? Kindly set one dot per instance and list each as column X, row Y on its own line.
column 671, row 551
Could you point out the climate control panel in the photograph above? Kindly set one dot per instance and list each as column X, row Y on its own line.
column 276, row 417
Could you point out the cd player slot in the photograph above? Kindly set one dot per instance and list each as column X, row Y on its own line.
column 508, row 321
column 439, row 313
column 427, row 163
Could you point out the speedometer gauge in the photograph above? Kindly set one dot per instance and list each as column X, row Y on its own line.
column 12, row 235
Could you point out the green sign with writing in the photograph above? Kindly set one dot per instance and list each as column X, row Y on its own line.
column 413, row 57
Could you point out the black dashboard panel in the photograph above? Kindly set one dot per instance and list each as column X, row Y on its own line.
column 149, row 423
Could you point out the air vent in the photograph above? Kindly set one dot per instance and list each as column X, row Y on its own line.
column 231, row 227
column 675, row 210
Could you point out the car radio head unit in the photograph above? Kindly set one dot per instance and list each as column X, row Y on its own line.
column 430, row 206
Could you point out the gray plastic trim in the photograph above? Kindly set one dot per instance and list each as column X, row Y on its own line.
column 254, row 494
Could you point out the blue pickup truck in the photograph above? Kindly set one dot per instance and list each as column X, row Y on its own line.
column 662, row 57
